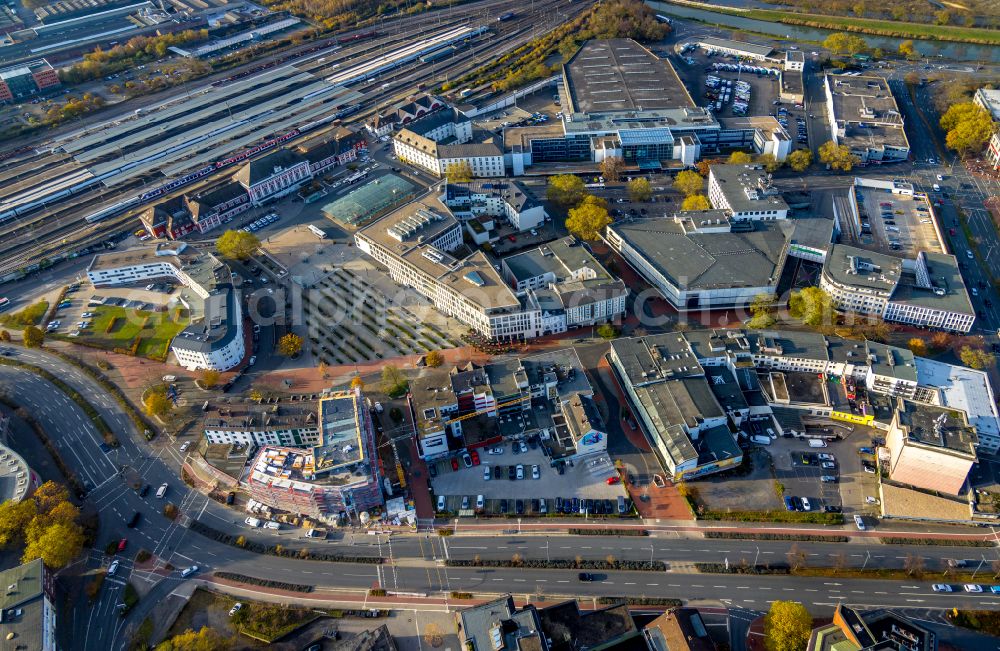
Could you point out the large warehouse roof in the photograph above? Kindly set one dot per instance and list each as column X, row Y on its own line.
column 621, row 75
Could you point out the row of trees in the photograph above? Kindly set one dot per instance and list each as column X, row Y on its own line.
column 47, row 524
column 137, row 50
column 978, row 13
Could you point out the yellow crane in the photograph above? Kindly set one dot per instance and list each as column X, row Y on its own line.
column 484, row 411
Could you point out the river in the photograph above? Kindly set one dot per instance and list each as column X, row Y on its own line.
column 948, row 50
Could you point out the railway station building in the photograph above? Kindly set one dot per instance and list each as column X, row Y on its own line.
column 274, row 175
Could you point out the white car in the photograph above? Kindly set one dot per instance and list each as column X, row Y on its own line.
column 486, row 473
column 941, row 587
column 235, row 609
column 806, row 506
column 496, row 450
column 823, row 456
column 253, row 360
column 189, row 571
column 940, row 178
column 186, row 445
column 972, row 587
column 113, row 568
column 535, row 474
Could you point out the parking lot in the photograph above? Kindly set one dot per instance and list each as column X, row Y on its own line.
column 582, row 479
column 898, row 223
column 800, row 468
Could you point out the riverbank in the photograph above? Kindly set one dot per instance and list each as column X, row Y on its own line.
column 870, row 26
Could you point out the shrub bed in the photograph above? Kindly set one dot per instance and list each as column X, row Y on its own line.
column 642, row 601
column 377, row 592
column 278, row 550
column 607, row 532
column 560, row 564
column 461, row 595
column 774, row 516
column 937, row 542
column 736, row 535
column 737, row 568
column 264, row 583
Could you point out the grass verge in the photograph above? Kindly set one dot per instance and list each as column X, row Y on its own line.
column 872, row 26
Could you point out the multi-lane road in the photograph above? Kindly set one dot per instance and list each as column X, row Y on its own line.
column 415, row 561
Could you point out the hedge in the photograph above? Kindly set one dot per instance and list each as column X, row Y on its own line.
column 461, row 595
column 813, row 517
column 937, row 542
column 642, row 601
column 738, row 568
column 607, row 532
column 735, row 535
column 278, row 550
column 264, row 583
column 561, row 564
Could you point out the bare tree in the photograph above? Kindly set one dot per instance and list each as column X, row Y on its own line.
column 796, row 557
column 914, row 565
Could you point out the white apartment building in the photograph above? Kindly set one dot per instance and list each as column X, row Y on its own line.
column 746, row 192
column 508, row 200
column 288, row 424
column 443, row 139
column 214, row 339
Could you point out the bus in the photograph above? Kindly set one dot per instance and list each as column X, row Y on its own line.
column 318, row 232
column 4, row 303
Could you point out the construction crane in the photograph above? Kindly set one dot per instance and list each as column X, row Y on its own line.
column 484, row 411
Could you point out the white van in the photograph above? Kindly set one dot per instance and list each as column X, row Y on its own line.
column 761, row 440
column 859, row 523
column 272, row 525
column 817, row 443
column 161, row 491
column 440, row 502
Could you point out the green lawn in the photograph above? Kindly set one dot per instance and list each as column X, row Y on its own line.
column 116, row 327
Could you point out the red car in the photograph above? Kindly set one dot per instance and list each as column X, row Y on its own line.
column 122, row 543
column 614, row 479
column 511, row 238
column 475, row 457
column 454, row 464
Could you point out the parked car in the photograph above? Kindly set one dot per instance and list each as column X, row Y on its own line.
column 519, row 471
column 941, row 587
column 535, row 474
column 235, row 609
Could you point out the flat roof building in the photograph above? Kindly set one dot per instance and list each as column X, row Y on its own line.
column 753, row 51
column 620, row 99
column 864, row 116
column 926, row 291
column 27, row 79
column 930, row 447
column 703, row 261
column 746, row 192
column 29, row 607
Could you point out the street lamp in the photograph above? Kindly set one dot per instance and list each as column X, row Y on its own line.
column 650, row 555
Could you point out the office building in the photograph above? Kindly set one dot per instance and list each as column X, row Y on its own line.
column 214, row 338
column 927, row 291
column 620, row 99
column 508, row 200
column 291, row 424
column 878, row 630
column 746, row 192
column 472, row 407
column 930, row 448
column 444, row 138
column 864, row 116
column 22, row 81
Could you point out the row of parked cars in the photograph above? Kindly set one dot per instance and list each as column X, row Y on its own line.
column 267, row 219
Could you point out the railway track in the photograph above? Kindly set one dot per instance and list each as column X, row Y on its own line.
column 48, row 235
